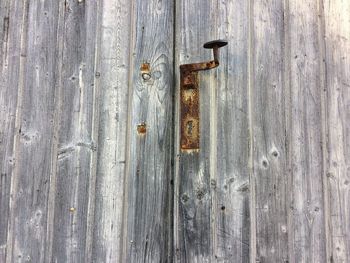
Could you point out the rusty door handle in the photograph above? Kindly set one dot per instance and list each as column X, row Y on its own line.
column 189, row 97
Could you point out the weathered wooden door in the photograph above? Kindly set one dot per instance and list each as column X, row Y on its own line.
column 91, row 168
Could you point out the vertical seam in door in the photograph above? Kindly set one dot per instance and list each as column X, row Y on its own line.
column 287, row 126
column 213, row 87
column 94, row 136
column 123, row 256
column 323, row 79
column 171, row 229
column 250, row 159
column 56, row 128
column 176, row 147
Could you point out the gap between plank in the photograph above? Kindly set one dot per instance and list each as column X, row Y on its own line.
column 94, row 137
column 250, row 159
column 123, row 241
column 324, row 125
column 60, row 36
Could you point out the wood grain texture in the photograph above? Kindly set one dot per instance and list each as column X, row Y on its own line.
column 82, row 181
column 77, row 142
column 305, row 138
column 10, row 46
column 230, row 136
column 148, row 205
column 112, row 144
column 212, row 198
column 337, row 43
column 35, row 82
column 268, row 127
column 193, row 197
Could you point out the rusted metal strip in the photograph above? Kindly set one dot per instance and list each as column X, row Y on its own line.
column 189, row 111
column 189, row 97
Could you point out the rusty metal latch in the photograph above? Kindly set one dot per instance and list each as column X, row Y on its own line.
column 189, row 96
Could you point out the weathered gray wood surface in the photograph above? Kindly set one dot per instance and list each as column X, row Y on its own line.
column 76, row 105
column 212, row 197
column 305, row 142
column 32, row 78
column 230, row 139
column 267, row 92
column 194, row 205
column 147, row 204
column 81, row 183
column 111, row 162
column 337, row 128
column 8, row 100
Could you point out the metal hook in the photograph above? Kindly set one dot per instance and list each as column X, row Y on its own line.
column 189, row 96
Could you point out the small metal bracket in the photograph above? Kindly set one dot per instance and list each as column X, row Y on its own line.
column 189, row 96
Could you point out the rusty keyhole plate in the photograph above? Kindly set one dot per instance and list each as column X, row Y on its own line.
column 189, row 94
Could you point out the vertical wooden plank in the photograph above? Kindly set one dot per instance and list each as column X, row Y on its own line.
column 229, row 117
column 193, row 194
column 337, row 43
column 307, row 236
column 211, row 198
column 77, row 134
column 268, row 127
column 10, row 46
column 148, row 205
column 110, row 189
column 34, row 79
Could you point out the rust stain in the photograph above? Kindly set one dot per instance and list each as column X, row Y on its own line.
column 145, row 71
column 142, row 128
column 189, row 98
column 189, row 94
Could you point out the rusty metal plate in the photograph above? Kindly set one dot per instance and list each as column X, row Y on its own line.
column 189, row 103
column 189, row 97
